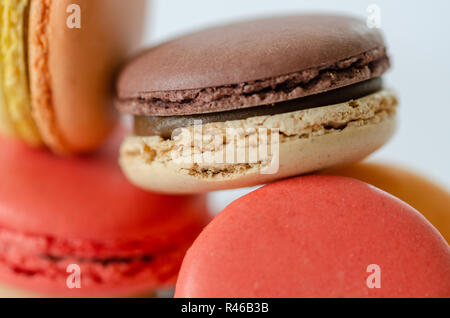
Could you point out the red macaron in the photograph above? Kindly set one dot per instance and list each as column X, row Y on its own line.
column 317, row 236
column 55, row 212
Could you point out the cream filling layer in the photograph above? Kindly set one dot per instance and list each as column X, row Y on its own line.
column 304, row 124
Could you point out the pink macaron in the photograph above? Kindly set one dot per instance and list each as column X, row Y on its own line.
column 56, row 213
column 317, row 236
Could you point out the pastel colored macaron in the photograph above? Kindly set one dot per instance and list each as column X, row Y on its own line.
column 317, row 236
column 429, row 198
column 251, row 102
column 57, row 64
column 57, row 212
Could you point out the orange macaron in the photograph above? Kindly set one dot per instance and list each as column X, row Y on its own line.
column 57, row 64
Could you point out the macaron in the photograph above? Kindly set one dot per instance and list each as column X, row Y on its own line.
column 57, row 64
column 317, row 236
column 429, row 198
column 251, row 102
column 63, row 217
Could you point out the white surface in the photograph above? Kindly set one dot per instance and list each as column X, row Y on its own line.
column 417, row 33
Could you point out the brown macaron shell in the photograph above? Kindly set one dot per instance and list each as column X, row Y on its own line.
column 250, row 64
column 72, row 69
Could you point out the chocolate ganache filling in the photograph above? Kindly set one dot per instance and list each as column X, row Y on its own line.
column 165, row 125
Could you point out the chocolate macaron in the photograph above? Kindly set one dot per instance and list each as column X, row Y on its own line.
column 252, row 102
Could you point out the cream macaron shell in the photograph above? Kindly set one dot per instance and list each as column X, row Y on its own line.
column 309, row 140
column 72, row 69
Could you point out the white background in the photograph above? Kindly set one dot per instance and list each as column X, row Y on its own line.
column 418, row 37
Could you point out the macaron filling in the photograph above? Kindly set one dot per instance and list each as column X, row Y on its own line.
column 34, row 257
column 165, row 126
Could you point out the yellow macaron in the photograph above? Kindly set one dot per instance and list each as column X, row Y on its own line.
column 432, row 200
column 15, row 106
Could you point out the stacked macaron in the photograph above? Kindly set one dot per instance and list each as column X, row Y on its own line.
column 300, row 94
column 232, row 106
column 74, row 226
column 55, row 77
column 60, row 218
column 308, row 88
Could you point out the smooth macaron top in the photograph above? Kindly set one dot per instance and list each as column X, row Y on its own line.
column 86, row 199
column 249, row 54
column 72, row 69
column 424, row 194
column 316, row 236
